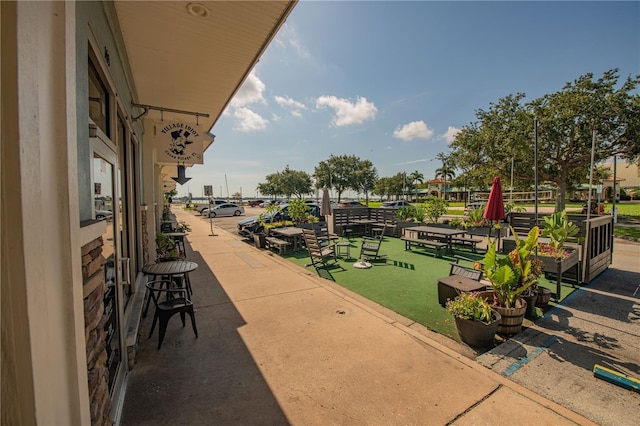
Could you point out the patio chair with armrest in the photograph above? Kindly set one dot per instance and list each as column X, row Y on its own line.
column 449, row 289
column 321, row 253
column 370, row 248
column 457, row 269
column 168, row 302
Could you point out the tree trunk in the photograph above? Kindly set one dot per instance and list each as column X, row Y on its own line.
column 562, row 190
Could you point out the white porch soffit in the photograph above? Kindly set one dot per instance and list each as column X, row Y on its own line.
column 194, row 56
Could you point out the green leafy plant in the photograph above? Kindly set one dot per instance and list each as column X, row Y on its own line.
column 298, row 211
column 475, row 219
column 183, row 227
column 470, row 306
column 515, row 273
column 268, row 215
column 405, row 213
column 165, row 246
column 435, row 207
column 559, row 229
column 419, row 214
column 513, row 207
column 456, row 222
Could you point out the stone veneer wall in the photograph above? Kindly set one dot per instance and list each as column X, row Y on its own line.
column 94, row 288
column 145, row 237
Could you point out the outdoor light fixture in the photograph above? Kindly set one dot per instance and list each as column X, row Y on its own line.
column 198, row 10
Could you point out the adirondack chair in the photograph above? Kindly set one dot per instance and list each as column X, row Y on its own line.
column 321, row 252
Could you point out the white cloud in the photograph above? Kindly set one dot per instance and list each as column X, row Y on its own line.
column 250, row 92
column 348, row 113
column 294, row 105
column 413, row 130
column 422, row 160
column 450, row 134
column 287, row 37
column 288, row 102
column 249, row 120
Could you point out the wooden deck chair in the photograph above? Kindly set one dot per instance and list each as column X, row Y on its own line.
column 370, row 248
column 321, row 253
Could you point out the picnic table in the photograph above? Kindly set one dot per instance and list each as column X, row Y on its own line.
column 445, row 234
column 291, row 234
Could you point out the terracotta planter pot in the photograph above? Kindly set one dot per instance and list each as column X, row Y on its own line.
column 477, row 333
column 511, row 322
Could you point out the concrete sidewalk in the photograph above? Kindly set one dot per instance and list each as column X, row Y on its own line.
column 278, row 345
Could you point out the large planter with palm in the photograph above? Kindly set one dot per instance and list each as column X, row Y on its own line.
column 476, row 322
column 510, row 277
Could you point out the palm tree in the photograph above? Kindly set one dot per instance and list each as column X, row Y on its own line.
column 416, row 178
column 445, row 172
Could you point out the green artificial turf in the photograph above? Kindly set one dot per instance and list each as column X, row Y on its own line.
column 405, row 281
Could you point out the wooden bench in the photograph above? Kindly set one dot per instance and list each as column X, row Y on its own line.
column 277, row 242
column 435, row 245
column 466, row 242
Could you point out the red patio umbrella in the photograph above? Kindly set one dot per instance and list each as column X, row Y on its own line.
column 495, row 206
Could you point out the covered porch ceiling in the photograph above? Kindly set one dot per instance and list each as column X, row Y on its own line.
column 194, row 56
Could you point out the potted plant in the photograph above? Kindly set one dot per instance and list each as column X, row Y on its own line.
column 165, row 248
column 510, row 277
column 476, row 321
column 476, row 224
column 265, row 221
column 183, row 227
column 555, row 257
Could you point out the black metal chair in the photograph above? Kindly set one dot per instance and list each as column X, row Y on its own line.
column 176, row 301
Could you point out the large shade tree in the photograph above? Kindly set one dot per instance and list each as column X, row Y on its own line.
column 287, row 182
column 343, row 172
column 568, row 120
column 366, row 178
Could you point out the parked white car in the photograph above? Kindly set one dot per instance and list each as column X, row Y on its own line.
column 226, row 209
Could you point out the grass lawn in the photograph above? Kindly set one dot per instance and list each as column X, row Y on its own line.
column 405, row 282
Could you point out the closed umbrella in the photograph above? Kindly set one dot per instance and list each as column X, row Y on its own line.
column 325, row 207
column 495, row 205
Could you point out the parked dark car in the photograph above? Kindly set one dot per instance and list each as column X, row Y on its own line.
column 350, row 204
column 255, row 203
column 247, row 227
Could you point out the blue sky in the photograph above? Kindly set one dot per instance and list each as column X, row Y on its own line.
column 392, row 82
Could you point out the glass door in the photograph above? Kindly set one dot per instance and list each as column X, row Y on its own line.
column 107, row 207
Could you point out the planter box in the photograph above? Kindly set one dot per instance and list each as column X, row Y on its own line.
column 550, row 264
column 558, row 268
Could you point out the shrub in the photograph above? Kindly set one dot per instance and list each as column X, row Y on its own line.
column 435, row 207
column 470, row 306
